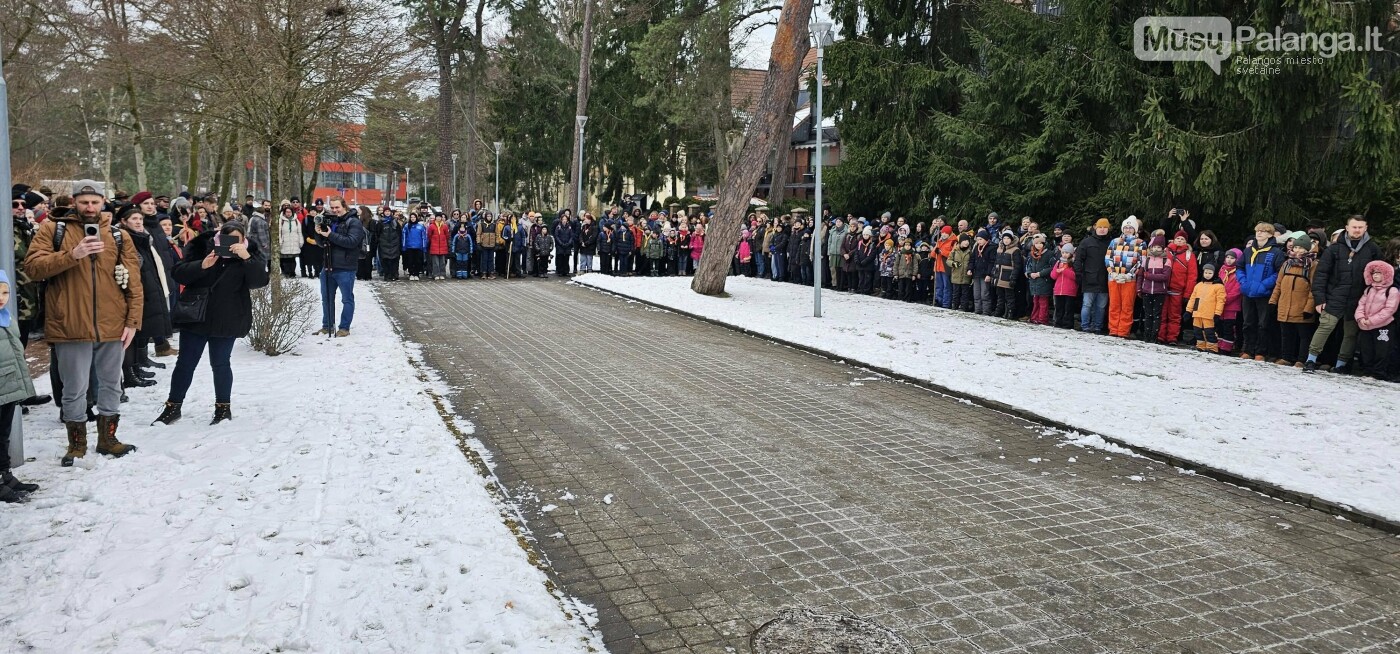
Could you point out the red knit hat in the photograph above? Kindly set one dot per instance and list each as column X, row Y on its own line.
column 1181, row 233
column 947, row 229
column 140, row 197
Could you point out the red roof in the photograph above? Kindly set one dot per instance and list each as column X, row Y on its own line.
column 745, row 88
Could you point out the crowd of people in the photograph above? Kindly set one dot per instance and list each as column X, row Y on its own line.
column 105, row 281
column 108, row 279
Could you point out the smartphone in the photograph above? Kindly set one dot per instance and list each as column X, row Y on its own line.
column 90, row 229
column 222, row 243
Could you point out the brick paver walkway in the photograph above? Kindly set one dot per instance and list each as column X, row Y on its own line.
column 690, row 482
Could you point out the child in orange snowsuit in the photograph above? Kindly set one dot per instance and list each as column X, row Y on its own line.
column 1206, row 303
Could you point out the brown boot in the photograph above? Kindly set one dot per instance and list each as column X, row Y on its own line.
column 166, row 351
column 107, row 442
column 77, row 443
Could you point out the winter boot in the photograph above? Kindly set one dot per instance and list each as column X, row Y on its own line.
column 107, row 442
column 169, row 414
column 222, row 412
column 9, row 496
column 1201, row 345
column 1213, row 348
column 165, row 350
column 77, row 443
column 142, row 373
column 7, row 480
column 143, row 360
column 130, row 380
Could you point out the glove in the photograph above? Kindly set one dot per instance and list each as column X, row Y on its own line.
column 123, row 277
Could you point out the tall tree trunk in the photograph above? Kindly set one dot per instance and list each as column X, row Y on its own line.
column 196, row 141
column 309, row 195
column 784, row 64
column 111, row 126
column 473, row 138
column 585, row 57
column 138, row 132
column 447, row 134
column 782, row 148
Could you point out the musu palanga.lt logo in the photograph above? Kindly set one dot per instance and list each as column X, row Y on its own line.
column 1212, row 39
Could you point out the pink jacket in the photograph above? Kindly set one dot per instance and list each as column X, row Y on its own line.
column 1065, row 281
column 1230, row 278
column 697, row 246
column 1379, row 302
column 744, row 252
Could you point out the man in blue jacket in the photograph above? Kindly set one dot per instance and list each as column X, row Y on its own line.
column 342, row 235
column 1258, row 273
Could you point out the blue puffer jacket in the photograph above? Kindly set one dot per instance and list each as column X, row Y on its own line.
column 415, row 236
column 1259, row 271
column 622, row 242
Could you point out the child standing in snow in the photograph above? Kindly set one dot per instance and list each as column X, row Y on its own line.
column 1039, row 264
column 887, row 269
column 960, row 274
column 1066, row 288
column 462, row 247
column 1292, row 295
column 1227, row 328
column 15, row 385
column 1375, row 315
column 1206, row 302
column 906, row 265
column 1154, row 277
column 927, row 271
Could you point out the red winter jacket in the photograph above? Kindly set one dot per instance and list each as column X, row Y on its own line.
column 1183, row 260
column 439, row 237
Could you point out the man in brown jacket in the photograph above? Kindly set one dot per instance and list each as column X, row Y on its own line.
column 94, row 304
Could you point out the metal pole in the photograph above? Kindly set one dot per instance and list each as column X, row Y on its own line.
column 407, row 183
column 498, row 176
column 455, row 200
column 581, row 120
column 424, row 184
column 817, row 264
column 7, row 242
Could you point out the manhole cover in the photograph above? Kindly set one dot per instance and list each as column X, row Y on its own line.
column 800, row 631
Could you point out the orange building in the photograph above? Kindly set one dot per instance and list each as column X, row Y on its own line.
column 342, row 172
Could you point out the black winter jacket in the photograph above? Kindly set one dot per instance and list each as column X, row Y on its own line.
column 1089, row 268
column 1340, row 277
column 230, row 310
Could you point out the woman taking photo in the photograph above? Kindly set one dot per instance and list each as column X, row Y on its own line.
column 221, row 268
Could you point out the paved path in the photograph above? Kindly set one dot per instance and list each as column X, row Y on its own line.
column 703, row 480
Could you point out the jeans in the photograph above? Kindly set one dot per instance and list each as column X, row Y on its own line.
column 438, row 264
column 77, row 364
column 779, row 266
column 585, row 262
column 332, row 281
column 762, row 260
column 488, row 262
column 191, row 349
column 1091, row 315
column 943, row 289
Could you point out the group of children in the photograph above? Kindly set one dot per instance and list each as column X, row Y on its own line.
column 1258, row 301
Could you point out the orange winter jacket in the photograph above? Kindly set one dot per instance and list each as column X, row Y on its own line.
column 941, row 250
column 83, row 301
column 1207, row 301
column 1293, row 292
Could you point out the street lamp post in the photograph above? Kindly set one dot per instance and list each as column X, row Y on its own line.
column 821, row 37
column 456, row 201
column 580, row 120
column 7, row 236
column 498, row 145
column 423, row 185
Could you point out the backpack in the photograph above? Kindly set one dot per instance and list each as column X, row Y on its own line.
column 58, row 233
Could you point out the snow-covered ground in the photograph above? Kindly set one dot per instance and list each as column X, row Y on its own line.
column 1333, row 438
column 335, row 513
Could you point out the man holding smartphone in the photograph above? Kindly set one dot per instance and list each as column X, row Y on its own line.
column 95, row 306
column 341, row 236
